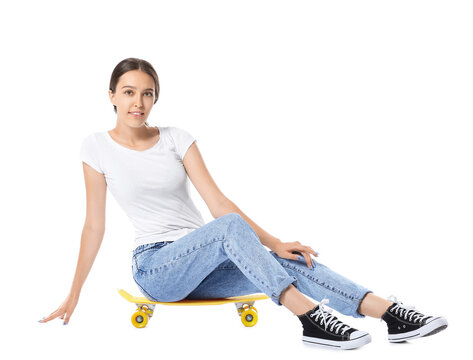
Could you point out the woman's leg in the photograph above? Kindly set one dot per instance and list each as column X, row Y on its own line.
column 227, row 280
column 173, row 271
column 374, row 306
column 295, row 301
column 344, row 295
column 226, row 258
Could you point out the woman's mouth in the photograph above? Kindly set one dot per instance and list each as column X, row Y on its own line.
column 136, row 114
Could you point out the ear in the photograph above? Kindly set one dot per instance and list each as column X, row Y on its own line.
column 111, row 96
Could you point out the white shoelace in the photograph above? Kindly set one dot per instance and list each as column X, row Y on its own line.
column 328, row 320
column 406, row 311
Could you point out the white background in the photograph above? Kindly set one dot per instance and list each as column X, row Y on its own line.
column 345, row 125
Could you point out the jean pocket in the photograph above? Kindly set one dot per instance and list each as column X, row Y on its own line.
column 142, row 254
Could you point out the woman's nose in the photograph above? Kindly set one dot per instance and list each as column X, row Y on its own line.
column 138, row 102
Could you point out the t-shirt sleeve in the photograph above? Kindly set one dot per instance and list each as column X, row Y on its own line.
column 89, row 153
column 182, row 140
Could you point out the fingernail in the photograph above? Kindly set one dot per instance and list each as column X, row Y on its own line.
column 41, row 319
column 64, row 323
column 300, row 258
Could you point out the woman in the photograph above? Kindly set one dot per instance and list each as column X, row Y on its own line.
column 177, row 256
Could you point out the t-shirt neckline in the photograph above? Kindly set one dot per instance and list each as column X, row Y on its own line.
column 139, row 151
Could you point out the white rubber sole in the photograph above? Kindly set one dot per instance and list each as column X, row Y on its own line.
column 433, row 327
column 343, row 345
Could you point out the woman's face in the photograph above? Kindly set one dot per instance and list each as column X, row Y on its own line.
column 135, row 93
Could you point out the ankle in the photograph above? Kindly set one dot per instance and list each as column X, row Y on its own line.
column 373, row 306
column 295, row 301
column 307, row 312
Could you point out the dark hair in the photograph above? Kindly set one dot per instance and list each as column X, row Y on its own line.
column 133, row 64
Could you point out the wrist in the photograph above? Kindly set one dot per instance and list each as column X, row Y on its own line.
column 272, row 242
column 75, row 293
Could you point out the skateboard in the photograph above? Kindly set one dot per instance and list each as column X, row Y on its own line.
column 244, row 304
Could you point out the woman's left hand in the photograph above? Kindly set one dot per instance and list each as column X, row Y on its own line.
column 291, row 250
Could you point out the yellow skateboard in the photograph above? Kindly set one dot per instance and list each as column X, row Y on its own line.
column 244, row 304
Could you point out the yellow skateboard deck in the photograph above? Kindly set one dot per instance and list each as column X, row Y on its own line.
column 246, row 311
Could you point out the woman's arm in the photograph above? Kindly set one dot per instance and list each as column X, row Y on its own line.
column 89, row 247
column 90, row 244
column 91, row 239
column 94, row 227
column 216, row 201
column 220, row 205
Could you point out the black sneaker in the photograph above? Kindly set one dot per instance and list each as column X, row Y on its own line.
column 325, row 330
column 405, row 323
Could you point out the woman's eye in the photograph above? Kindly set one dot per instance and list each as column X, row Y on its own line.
column 129, row 91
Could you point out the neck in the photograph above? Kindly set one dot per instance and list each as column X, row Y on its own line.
column 132, row 135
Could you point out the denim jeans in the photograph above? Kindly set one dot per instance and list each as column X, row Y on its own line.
column 226, row 258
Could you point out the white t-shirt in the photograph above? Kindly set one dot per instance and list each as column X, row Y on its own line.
column 151, row 186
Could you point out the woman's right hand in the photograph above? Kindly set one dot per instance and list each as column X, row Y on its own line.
column 65, row 310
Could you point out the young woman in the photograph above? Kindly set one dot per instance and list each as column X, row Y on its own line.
column 177, row 256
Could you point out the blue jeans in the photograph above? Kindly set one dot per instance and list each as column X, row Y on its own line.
column 226, row 258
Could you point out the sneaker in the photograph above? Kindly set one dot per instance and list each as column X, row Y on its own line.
column 405, row 323
column 325, row 330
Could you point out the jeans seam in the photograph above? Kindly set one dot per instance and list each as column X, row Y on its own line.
column 240, row 218
column 154, row 246
column 331, row 288
column 249, row 271
column 189, row 251
column 144, row 291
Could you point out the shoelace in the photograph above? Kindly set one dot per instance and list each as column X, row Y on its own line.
column 327, row 319
column 406, row 311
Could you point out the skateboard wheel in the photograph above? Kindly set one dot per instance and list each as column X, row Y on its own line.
column 139, row 319
column 249, row 317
